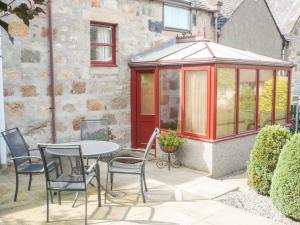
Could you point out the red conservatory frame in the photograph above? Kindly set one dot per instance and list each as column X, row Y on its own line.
column 212, row 97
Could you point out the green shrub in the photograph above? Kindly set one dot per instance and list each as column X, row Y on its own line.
column 264, row 155
column 285, row 188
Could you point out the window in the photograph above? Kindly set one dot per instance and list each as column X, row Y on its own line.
column 147, row 94
column 169, row 99
column 103, row 44
column 247, row 100
column 226, row 101
column 177, row 18
column 266, row 90
column 195, row 102
column 281, row 99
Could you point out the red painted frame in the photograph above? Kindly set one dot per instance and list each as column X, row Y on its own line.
column 183, row 74
column 111, row 63
column 212, row 99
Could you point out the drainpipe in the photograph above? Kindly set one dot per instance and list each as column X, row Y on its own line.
column 3, row 153
column 52, row 80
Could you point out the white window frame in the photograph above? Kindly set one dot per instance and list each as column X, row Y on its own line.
column 176, row 28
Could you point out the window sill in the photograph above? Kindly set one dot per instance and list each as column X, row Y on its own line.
column 178, row 30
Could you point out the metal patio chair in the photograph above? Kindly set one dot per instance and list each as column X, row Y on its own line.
column 22, row 159
column 131, row 165
column 74, row 176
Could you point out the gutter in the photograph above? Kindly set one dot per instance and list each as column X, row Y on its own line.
column 52, row 80
column 3, row 153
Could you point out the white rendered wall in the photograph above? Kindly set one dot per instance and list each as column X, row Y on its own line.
column 3, row 154
column 218, row 158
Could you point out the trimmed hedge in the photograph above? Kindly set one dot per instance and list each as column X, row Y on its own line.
column 285, row 188
column 264, row 155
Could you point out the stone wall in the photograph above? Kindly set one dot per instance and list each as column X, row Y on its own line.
column 294, row 56
column 81, row 91
column 251, row 27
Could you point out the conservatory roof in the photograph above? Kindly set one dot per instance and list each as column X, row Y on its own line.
column 201, row 51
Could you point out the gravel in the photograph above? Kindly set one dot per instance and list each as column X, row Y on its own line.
column 257, row 204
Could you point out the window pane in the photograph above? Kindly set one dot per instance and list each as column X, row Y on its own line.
column 101, row 53
column 101, row 34
column 247, row 100
column 169, row 99
column 265, row 97
column 226, row 94
column 195, row 101
column 175, row 17
column 147, row 94
column 281, row 97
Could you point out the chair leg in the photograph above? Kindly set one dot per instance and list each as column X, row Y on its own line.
column 76, row 197
column 51, row 196
column 111, row 180
column 47, row 217
column 98, row 184
column 106, row 186
column 142, row 188
column 29, row 183
column 86, row 199
column 59, row 198
column 146, row 189
column 17, row 187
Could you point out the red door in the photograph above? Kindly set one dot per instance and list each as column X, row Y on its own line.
column 145, row 107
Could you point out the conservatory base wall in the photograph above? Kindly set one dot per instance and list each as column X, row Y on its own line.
column 217, row 159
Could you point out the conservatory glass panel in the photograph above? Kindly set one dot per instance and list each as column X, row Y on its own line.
column 226, row 101
column 281, row 99
column 147, row 94
column 195, row 104
column 247, row 100
column 169, row 99
column 266, row 86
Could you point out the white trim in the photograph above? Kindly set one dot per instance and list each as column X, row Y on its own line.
column 3, row 153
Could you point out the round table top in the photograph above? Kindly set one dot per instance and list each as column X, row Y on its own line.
column 93, row 148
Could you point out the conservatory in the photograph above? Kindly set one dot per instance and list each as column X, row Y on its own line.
column 216, row 96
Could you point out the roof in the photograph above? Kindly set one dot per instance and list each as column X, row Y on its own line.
column 227, row 10
column 229, row 7
column 193, row 51
column 286, row 13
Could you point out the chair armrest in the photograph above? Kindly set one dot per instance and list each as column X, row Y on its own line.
column 26, row 157
column 91, row 168
column 116, row 158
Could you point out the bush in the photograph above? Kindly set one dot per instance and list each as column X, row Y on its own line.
column 264, row 155
column 285, row 188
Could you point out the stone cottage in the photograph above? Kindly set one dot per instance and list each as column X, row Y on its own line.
column 79, row 51
column 250, row 25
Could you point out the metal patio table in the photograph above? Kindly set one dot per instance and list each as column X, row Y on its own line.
column 91, row 148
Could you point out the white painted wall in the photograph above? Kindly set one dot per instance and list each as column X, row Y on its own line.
column 3, row 154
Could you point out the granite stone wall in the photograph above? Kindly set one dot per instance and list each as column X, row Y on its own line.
column 81, row 91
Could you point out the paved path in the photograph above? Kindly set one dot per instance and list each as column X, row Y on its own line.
column 181, row 196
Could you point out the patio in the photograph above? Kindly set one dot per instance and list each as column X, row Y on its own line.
column 179, row 196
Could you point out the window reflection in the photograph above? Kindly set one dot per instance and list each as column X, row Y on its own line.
column 281, row 99
column 226, row 94
column 169, row 99
column 266, row 86
column 247, row 100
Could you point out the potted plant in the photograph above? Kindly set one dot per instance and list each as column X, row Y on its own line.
column 170, row 142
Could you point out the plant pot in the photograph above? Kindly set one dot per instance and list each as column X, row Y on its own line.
column 169, row 148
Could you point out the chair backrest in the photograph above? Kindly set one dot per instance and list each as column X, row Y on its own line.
column 16, row 144
column 94, row 130
column 67, row 160
column 150, row 143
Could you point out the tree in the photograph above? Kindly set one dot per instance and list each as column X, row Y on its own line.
column 25, row 10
